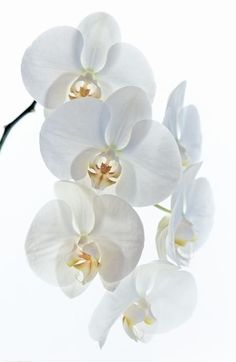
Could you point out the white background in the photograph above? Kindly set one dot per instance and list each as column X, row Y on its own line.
column 193, row 40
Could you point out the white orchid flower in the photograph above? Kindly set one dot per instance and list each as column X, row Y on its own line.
column 191, row 220
column 184, row 124
column 114, row 143
column 80, row 235
column 66, row 63
column 154, row 299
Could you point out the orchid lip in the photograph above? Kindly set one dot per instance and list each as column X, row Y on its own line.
column 104, row 170
column 84, row 86
column 85, row 264
column 145, row 315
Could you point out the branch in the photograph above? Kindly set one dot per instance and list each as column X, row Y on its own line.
column 8, row 127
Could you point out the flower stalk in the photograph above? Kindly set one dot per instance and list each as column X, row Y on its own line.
column 162, row 208
column 8, row 127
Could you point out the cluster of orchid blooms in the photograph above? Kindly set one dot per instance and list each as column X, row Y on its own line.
column 100, row 141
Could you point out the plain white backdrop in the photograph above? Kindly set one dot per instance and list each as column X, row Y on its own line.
column 192, row 40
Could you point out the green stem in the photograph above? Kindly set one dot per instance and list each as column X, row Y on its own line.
column 162, row 208
column 8, row 127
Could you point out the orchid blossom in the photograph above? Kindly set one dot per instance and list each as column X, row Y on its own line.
column 114, row 144
column 80, row 235
column 65, row 63
column 191, row 220
column 155, row 298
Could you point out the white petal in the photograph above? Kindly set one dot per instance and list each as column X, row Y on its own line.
column 147, row 275
column 110, row 308
column 126, row 187
column 100, row 31
column 128, row 106
column 57, row 93
column 156, row 168
column 190, row 132
column 80, row 200
column 119, row 234
column 109, row 286
column 53, row 53
column 185, row 182
column 174, row 104
column 161, row 236
column 173, row 298
column 71, row 129
column 47, row 112
column 200, row 210
column 127, row 66
column 80, row 165
column 145, row 278
column 175, row 220
column 50, row 239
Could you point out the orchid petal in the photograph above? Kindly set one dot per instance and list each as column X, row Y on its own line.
column 173, row 298
column 185, row 183
column 118, row 232
column 200, row 210
column 100, row 31
column 110, row 308
column 50, row 238
column 190, row 132
column 57, row 93
column 53, row 53
column 127, row 66
column 80, row 200
column 80, row 165
column 128, row 106
column 69, row 131
column 174, row 104
column 161, row 237
column 156, row 167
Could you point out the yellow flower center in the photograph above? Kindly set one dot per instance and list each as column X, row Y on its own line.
column 84, row 86
column 85, row 264
column 104, row 171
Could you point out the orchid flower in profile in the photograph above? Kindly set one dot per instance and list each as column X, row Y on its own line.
column 191, row 220
column 115, row 145
column 80, row 235
column 184, row 124
column 155, row 298
column 65, row 63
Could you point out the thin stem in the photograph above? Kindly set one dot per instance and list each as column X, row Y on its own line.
column 162, row 208
column 8, row 127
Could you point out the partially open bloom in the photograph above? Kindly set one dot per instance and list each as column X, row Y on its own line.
column 65, row 63
column 113, row 144
column 191, row 220
column 156, row 298
column 184, row 124
column 79, row 235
